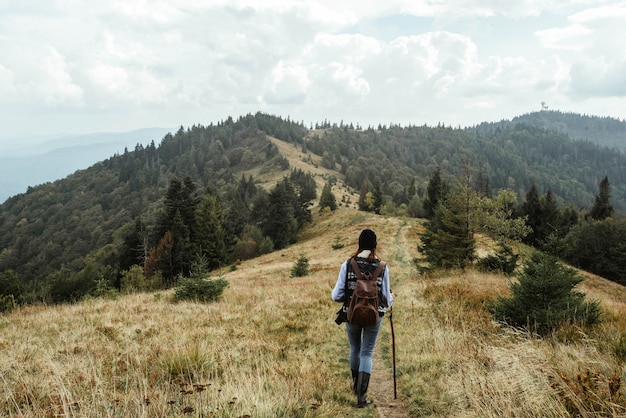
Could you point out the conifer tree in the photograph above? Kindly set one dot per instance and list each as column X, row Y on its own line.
column 531, row 209
column 210, row 231
column 134, row 249
column 602, row 207
column 449, row 238
column 281, row 224
column 549, row 219
column 327, row 198
column 544, row 297
column 182, row 249
column 435, row 193
column 377, row 196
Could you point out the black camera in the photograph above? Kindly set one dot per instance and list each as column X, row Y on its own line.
column 340, row 317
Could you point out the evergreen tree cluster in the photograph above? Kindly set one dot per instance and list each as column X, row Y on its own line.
column 593, row 240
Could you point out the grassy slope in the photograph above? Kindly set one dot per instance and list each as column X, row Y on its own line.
column 268, row 349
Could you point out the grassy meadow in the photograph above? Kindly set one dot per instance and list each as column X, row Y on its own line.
column 270, row 347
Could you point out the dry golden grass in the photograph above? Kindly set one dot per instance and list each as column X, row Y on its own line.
column 267, row 351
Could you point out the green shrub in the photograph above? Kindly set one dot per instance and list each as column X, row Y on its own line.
column 337, row 244
column 543, row 298
column 301, row 267
column 199, row 289
column 503, row 261
column 7, row 303
column 133, row 280
column 105, row 290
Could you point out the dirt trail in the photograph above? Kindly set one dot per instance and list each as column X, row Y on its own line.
column 381, row 389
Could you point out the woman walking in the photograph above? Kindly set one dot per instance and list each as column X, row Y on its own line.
column 362, row 338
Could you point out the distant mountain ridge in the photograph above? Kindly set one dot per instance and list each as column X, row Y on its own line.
column 605, row 131
column 35, row 162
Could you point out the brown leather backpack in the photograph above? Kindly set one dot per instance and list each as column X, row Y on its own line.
column 363, row 306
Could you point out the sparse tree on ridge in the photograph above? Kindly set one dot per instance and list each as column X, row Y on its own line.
column 327, row 198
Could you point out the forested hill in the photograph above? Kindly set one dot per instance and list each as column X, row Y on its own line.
column 91, row 223
column 605, row 131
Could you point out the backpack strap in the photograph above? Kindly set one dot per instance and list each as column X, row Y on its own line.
column 355, row 268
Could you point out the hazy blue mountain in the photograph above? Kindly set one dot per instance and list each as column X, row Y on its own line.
column 606, row 131
column 25, row 163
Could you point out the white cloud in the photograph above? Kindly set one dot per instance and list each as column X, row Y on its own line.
column 599, row 77
column 288, row 84
column 187, row 61
column 574, row 37
column 57, row 85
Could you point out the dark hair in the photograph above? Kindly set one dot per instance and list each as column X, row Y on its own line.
column 367, row 241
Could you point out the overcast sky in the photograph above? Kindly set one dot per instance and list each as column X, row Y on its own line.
column 77, row 66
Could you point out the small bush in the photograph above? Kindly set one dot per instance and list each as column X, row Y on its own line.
column 301, row 267
column 133, row 280
column 543, row 298
column 199, row 289
column 105, row 290
column 503, row 261
column 337, row 243
column 7, row 303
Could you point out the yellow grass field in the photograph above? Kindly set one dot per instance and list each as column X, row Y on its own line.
column 270, row 347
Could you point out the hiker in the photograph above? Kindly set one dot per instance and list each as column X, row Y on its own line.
column 362, row 338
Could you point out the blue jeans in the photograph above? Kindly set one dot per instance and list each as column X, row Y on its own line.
column 362, row 342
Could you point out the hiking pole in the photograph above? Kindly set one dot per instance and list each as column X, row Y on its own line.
column 393, row 353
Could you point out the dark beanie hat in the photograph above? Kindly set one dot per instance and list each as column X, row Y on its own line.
column 367, row 240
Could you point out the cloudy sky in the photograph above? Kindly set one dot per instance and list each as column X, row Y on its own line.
column 75, row 66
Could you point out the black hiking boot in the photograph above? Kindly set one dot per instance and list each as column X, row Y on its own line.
column 355, row 377
column 362, row 383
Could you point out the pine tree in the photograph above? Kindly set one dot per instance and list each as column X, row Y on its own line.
column 134, row 247
column 210, row 231
column 378, row 198
column 549, row 219
column 544, row 298
column 281, row 224
column 531, row 209
column 327, row 198
column 180, row 197
column 436, row 192
column 449, row 238
column 182, row 249
column 602, row 207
